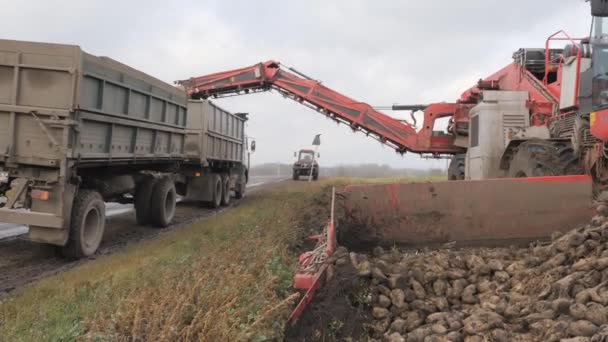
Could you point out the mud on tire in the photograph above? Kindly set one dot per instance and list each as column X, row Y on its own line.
column 163, row 203
column 536, row 158
column 143, row 199
column 456, row 168
column 241, row 186
column 216, row 196
column 87, row 225
column 225, row 190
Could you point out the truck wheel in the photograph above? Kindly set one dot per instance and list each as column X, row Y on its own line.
column 225, row 190
column 216, row 197
column 456, row 168
column 143, row 197
column 315, row 176
column 295, row 176
column 162, row 206
column 535, row 158
column 239, row 192
column 87, row 224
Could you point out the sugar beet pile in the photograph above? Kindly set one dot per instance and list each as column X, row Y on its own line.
column 547, row 292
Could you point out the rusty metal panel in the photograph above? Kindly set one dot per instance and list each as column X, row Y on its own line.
column 479, row 212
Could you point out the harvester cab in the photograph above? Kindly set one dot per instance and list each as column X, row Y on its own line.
column 599, row 70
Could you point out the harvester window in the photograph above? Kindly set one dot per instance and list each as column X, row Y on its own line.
column 475, row 131
column 600, row 76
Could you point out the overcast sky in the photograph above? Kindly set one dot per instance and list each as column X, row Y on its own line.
column 379, row 52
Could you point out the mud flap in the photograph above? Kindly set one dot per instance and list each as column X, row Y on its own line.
column 479, row 212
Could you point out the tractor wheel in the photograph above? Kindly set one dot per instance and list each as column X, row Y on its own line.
column 163, row 202
column 87, row 225
column 143, row 197
column 536, row 158
column 225, row 190
column 456, row 168
column 216, row 196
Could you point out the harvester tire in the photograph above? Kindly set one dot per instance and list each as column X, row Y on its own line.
column 225, row 190
column 537, row 158
column 143, row 197
column 87, row 225
column 456, row 168
column 163, row 203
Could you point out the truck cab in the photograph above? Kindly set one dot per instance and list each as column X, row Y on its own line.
column 305, row 164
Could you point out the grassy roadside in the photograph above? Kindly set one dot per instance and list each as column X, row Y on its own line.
column 225, row 278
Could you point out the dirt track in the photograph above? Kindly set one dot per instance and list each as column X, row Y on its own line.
column 22, row 262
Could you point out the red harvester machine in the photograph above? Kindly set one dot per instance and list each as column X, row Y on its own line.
column 528, row 144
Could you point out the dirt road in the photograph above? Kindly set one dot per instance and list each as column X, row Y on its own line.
column 22, row 262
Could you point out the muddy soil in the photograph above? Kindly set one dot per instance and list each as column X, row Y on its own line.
column 22, row 262
column 340, row 310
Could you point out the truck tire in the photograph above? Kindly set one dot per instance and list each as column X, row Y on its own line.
column 87, row 225
column 315, row 176
column 216, row 196
column 163, row 202
column 225, row 190
column 143, row 198
column 456, row 168
column 296, row 176
column 239, row 191
column 536, row 158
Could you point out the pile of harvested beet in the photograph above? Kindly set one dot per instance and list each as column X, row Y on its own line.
column 552, row 292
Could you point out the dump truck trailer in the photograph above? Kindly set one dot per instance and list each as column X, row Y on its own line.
column 77, row 130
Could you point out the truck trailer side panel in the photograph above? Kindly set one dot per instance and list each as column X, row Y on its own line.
column 58, row 103
column 214, row 134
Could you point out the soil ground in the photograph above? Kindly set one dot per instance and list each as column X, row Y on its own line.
column 22, row 261
column 340, row 311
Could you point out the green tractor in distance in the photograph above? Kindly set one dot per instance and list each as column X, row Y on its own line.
column 305, row 165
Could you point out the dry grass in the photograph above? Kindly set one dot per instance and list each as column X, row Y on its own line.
column 223, row 279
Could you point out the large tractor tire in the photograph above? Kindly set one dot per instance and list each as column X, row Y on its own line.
column 216, row 196
column 143, row 198
column 163, row 203
column 456, row 168
column 225, row 190
column 87, row 224
column 537, row 158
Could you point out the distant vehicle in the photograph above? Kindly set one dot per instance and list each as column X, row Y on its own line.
column 305, row 164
